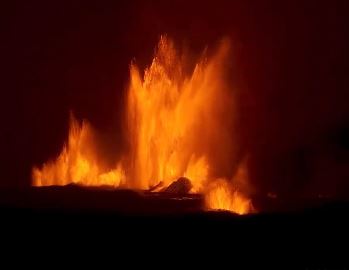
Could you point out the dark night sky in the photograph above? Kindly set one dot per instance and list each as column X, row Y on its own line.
column 291, row 62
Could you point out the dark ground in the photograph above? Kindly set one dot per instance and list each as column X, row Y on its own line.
column 66, row 221
column 70, row 205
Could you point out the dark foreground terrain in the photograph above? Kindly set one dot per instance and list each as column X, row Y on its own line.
column 163, row 219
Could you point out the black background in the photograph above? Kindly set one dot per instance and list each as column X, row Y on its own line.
column 291, row 60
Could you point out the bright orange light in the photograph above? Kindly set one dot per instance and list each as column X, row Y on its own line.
column 222, row 196
column 177, row 126
column 78, row 163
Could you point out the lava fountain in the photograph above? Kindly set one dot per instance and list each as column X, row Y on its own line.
column 179, row 124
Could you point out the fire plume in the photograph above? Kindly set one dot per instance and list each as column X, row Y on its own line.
column 78, row 162
column 179, row 124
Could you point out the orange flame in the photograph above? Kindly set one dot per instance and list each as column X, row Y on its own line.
column 78, row 163
column 222, row 196
column 177, row 126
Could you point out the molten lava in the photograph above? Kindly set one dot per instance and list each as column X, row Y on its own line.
column 179, row 124
column 78, row 163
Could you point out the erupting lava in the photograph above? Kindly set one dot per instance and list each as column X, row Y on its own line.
column 177, row 126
